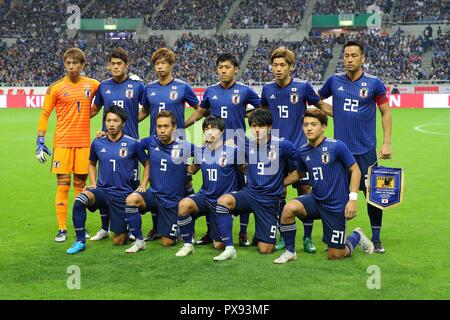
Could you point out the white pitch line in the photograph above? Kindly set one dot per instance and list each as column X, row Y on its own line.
column 419, row 128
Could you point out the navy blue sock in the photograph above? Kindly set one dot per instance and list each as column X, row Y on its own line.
column 105, row 218
column 79, row 216
column 288, row 232
column 280, row 212
column 208, row 219
column 352, row 241
column 376, row 218
column 225, row 222
column 244, row 218
column 155, row 220
column 307, row 228
column 134, row 221
column 186, row 225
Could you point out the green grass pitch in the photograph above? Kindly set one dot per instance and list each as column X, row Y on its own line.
column 415, row 235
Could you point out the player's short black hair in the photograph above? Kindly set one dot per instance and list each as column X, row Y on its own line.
column 352, row 43
column 117, row 111
column 119, row 53
column 318, row 114
column 166, row 114
column 227, row 57
column 213, row 122
column 260, row 117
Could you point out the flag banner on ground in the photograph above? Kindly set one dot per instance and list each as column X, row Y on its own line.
column 385, row 186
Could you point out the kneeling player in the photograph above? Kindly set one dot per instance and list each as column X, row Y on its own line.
column 116, row 155
column 328, row 163
column 168, row 173
column 218, row 163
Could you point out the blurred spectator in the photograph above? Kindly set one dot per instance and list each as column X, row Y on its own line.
column 269, row 13
column 441, row 55
column 327, row 7
column 195, row 14
column 121, row 9
column 395, row 89
column 421, row 11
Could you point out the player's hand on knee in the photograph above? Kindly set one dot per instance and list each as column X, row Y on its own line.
column 141, row 189
column 350, row 209
column 100, row 134
column 41, row 150
column 87, row 188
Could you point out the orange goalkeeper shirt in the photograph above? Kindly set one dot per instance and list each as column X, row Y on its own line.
column 73, row 106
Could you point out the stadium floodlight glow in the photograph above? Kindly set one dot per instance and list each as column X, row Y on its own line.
column 110, row 26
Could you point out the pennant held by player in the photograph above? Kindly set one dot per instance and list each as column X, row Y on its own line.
column 385, row 186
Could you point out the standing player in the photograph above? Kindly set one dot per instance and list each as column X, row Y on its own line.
column 72, row 97
column 116, row 155
column 266, row 157
column 218, row 163
column 126, row 92
column 329, row 163
column 168, row 94
column 356, row 95
column 228, row 100
column 286, row 99
column 168, row 158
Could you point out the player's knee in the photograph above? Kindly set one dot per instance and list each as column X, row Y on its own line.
column 133, row 199
column 185, row 207
column 81, row 201
column 167, row 242
column 289, row 210
column 265, row 248
column 219, row 245
column 226, row 201
column 335, row 254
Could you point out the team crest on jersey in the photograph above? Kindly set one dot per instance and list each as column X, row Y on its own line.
column 129, row 93
column 173, row 95
column 175, row 152
column 123, row 152
column 223, row 159
column 325, row 157
column 294, row 97
column 235, row 98
column 87, row 93
column 363, row 92
column 56, row 164
column 272, row 153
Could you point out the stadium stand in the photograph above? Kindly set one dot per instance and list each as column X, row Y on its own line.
column 391, row 57
column 196, row 55
column 326, row 7
column 422, row 11
column 121, row 9
column 441, row 56
column 268, row 14
column 196, row 14
column 312, row 55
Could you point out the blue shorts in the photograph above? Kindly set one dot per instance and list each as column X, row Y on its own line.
column 334, row 223
column 207, row 207
column 167, row 216
column 364, row 161
column 116, row 209
column 265, row 211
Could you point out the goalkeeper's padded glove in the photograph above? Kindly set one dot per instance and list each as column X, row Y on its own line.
column 135, row 77
column 41, row 149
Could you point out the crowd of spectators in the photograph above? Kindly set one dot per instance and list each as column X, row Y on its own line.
column 390, row 57
column 195, row 14
column 121, row 9
column 421, row 11
column 196, row 55
column 30, row 62
column 327, row 7
column 441, row 55
column 37, row 18
column 270, row 13
column 312, row 57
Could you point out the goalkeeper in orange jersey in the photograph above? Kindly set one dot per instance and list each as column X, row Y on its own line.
column 72, row 97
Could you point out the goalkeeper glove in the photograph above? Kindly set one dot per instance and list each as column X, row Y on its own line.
column 41, row 149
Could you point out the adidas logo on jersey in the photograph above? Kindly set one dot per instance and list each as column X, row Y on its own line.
column 272, row 97
column 157, row 149
column 307, row 158
column 103, row 150
column 108, row 91
column 341, row 88
column 215, row 98
column 153, row 94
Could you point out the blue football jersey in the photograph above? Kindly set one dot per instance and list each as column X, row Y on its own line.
column 265, row 166
column 168, row 168
column 218, row 170
column 116, row 164
column 288, row 105
column 230, row 104
column 354, row 109
column 127, row 95
column 327, row 165
column 171, row 97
